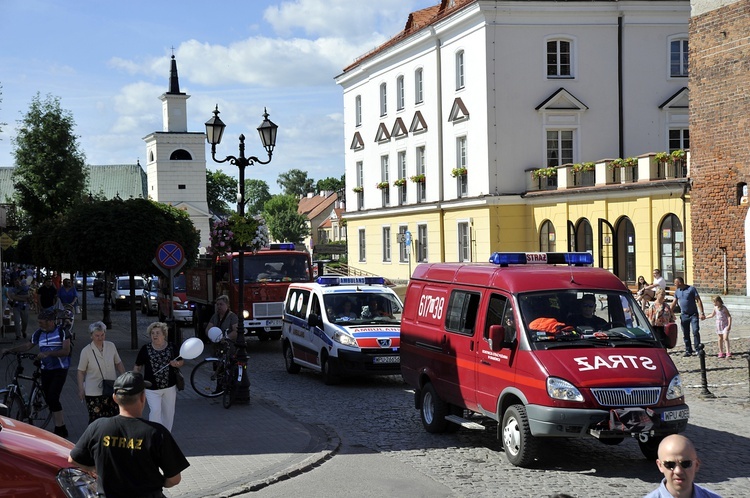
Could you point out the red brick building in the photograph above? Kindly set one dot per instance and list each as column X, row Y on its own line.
column 720, row 144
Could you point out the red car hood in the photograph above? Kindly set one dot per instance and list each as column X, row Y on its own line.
column 20, row 440
column 600, row 367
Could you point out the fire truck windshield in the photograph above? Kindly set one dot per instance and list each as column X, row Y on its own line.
column 273, row 267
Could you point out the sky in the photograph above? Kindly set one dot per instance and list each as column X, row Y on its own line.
column 108, row 63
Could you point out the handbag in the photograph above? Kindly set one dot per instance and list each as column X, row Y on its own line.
column 108, row 386
column 179, row 379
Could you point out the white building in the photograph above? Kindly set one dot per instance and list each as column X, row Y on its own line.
column 500, row 88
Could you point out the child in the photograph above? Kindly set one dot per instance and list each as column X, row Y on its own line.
column 723, row 326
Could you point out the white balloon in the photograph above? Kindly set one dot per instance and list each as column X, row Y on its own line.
column 191, row 348
column 214, row 333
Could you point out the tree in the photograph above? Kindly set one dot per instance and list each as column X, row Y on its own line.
column 331, row 184
column 50, row 174
column 295, row 182
column 285, row 224
column 221, row 192
column 257, row 194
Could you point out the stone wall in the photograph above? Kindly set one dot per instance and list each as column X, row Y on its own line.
column 720, row 144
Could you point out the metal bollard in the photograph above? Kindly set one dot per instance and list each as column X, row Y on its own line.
column 705, row 393
column 747, row 357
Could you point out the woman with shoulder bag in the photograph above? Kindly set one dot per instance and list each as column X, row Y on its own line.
column 660, row 314
column 99, row 366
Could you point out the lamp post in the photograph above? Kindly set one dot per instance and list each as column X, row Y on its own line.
column 267, row 131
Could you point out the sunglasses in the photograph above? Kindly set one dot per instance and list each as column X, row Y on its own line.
column 685, row 464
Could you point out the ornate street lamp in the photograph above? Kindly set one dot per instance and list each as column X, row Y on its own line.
column 267, row 131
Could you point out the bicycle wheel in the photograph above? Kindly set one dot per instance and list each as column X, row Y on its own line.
column 39, row 412
column 230, row 387
column 207, row 378
column 14, row 402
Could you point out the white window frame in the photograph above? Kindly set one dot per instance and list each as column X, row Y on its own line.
column 362, row 246
column 420, row 160
column 387, row 244
column 419, row 86
column 682, row 49
column 681, row 142
column 463, row 233
column 559, row 146
column 422, row 242
column 401, row 164
column 403, row 249
column 384, row 177
column 360, row 179
column 400, row 97
column 462, row 186
column 558, row 40
column 460, row 74
column 383, row 99
column 358, row 110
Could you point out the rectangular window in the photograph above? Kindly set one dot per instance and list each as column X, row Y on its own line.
column 358, row 110
column 386, row 244
column 421, row 243
column 383, row 100
column 559, row 147
column 421, row 192
column 384, row 179
column 362, row 245
column 558, row 59
column 418, row 93
column 460, row 70
column 359, row 175
column 679, row 138
column 461, row 315
column 464, row 242
column 403, row 249
column 400, row 93
column 402, row 176
column 461, row 181
column 678, row 58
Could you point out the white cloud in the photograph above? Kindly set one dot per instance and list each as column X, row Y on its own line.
column 137, row 106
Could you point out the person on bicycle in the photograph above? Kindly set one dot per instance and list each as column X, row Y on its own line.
column 54, row 353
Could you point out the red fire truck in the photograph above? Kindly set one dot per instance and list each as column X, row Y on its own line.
column 268, row 274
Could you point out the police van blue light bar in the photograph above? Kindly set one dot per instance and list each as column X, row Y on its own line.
column 542, row 258
column 285, row 246
column 331, row 280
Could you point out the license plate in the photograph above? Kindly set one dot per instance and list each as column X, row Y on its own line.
column 386, row 359
column 671, row 415
column 273, row 323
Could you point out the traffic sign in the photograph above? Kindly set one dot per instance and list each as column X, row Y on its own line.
column 170, row 255
column 5, row 241
column 407, row 238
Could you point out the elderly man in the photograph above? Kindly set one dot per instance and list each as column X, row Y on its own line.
column 679, row 463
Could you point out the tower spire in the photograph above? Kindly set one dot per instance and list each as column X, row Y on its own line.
column 174, row 80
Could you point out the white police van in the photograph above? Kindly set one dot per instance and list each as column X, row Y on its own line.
column 342, row 326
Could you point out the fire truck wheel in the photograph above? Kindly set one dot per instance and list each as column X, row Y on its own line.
column 650, row 447
column 433, row 410
column 291, row 367
column 519, row 445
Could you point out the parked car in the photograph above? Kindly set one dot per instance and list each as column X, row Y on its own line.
column 150, row 301
column 182, row 309
column 89, row 281
column 121, row 292
column 34, row 462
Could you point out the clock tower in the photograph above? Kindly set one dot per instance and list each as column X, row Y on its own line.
column 176, row 160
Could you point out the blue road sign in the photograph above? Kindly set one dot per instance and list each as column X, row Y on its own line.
column 170, row 255
column 407, row 239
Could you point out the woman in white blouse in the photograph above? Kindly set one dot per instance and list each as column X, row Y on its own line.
column 99, row 361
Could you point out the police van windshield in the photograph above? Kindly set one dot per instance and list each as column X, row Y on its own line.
column 584, row 316
column 358, row 308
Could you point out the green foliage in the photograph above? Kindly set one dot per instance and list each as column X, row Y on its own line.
column 663, row 157
column 579, row 167
column 50, row 175
column 331, row 184
column 295, row 182
column 544, row 173
column 257, row 194
column 249, row 231
column 221, row 192
column 285, row 224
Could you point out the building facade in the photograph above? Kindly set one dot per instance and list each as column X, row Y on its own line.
column 720, row 128
column 464, row 133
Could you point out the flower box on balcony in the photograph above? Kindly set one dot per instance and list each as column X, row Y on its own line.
column 544, row 173
column 418, row 178
column 630, row 162
column 456, row 172
column 358, row 190
column 382, row 185
column 399, row 182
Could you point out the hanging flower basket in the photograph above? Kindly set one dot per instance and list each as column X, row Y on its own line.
column 581, row 167
column 399, row 182
column 418, row 178
column 248, row 233
column 358, row 190
column 663, row 158
column 382, row 185
column 456, row 172
column 544, row 173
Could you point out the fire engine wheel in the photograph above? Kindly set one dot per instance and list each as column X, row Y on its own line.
column 433, row 410
column 291, row 367
column 650, row 447
column 519, row 445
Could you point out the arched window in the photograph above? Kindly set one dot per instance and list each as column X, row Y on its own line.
column 180, row 155
column 625, row 250
column 584, row 237
column 547, row 237
column 671, row 248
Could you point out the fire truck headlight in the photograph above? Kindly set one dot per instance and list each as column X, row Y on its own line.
column 562, row 390
column 674, row 390
column 245, row 314
column 345, row 339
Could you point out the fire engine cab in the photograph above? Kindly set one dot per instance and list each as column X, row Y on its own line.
column 544, row 350
column 342, row 326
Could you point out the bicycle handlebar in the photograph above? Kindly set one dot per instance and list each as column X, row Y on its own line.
column 23, row 356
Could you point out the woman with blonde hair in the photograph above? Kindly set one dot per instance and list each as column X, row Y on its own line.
column 157, row 362
column 99, row 362
column 660, row 314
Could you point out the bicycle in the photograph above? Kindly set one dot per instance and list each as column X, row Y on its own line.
column 218, row 376
column 35, row 410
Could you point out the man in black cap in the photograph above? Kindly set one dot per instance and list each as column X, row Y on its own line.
column 54, row 353
column 132, row 457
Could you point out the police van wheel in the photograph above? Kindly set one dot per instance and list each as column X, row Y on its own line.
column 433, row 410
column 519, row 445
column 291, row 367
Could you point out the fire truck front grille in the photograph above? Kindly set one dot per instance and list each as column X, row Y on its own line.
column 267, row 310
column 637, row 396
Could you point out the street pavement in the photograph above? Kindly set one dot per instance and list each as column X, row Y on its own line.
column 248, row 448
